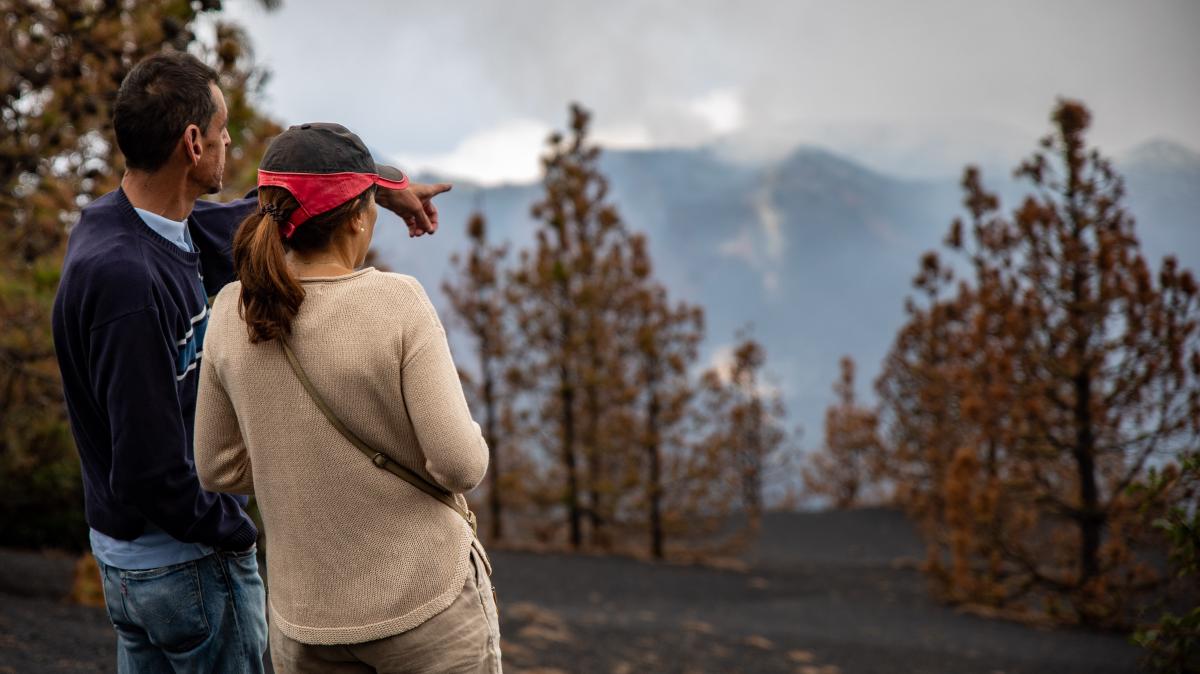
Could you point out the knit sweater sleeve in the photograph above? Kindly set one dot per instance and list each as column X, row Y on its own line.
column 222, row 461
column 151, row 468
column 456, row 454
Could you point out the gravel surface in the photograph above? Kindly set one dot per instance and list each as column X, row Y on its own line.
column 822, row 593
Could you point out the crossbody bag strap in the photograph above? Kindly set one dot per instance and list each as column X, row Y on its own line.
column 380, row 459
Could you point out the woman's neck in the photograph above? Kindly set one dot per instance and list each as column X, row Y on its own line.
column 331, row 262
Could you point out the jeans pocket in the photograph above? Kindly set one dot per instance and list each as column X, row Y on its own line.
column 246, row 582
column 168, row 603
column 244, row 565
column 111, row 582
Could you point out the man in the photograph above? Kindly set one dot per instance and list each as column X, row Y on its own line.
column 179, row 571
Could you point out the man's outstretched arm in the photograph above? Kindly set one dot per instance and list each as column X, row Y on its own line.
column 212, row 225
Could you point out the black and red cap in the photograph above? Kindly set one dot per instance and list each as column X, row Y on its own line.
column 323, row 165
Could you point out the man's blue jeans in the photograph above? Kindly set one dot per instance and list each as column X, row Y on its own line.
column 207, row 615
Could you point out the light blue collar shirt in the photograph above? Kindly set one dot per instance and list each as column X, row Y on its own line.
column 171, row 230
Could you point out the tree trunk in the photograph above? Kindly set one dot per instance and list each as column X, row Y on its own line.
column 595, row 470
column 655, row 486
column 1091, row 520
column 595, row 459
column 752, row 480
column 567, row 400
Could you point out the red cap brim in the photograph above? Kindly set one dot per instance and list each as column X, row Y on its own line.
column 320, row 192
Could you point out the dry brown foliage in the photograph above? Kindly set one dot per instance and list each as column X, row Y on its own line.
column 1028, row 391
column 585, row 377
column 60, row 66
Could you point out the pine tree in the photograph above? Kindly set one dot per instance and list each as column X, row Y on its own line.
column 666, row 341
column 603, row 356
column 844, row 470
column 745, row 426
column 1023, row 402
column 557, row 304
column 478, row 300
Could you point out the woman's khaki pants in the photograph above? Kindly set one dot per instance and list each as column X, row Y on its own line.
column 463, row 638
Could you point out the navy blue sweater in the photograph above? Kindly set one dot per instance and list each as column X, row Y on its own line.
column 129, row 323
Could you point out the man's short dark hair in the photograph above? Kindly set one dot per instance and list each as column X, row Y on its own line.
column 159, row 98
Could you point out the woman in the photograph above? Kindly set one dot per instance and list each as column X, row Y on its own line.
column 367, row 572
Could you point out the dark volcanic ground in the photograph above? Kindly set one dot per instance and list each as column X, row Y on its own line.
column 821, row 595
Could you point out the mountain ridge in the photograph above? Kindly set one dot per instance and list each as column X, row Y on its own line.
column 815, row 249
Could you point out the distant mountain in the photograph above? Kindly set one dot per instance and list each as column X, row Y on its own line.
column 815, row 249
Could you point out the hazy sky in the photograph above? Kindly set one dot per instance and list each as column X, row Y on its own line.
column 910, row 87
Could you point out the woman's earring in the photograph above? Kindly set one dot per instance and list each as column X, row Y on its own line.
column 362, row 229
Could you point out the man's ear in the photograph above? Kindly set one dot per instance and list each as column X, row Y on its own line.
column 193, row 143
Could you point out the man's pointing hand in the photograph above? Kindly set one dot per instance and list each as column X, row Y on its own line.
column 415, row 205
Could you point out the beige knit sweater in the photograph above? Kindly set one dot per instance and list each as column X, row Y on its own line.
column 354, row 553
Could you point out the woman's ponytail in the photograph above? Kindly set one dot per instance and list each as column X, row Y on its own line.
column 271, row 295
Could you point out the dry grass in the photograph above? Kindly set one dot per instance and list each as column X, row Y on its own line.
column 86, row 586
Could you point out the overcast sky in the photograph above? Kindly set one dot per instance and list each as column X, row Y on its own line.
column 471, row 88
